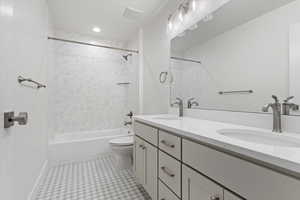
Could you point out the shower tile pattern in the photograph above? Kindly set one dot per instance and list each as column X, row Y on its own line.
column 94, row 179
column 84, row 95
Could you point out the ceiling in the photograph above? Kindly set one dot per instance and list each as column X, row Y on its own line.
column 80, row 16
column 233, row 14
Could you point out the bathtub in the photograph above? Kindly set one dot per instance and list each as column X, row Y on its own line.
column 82, row 145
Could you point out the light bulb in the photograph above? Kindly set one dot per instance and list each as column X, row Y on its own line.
column 170, row 24
column 96, row 29
column 180, row 16
column 194, row 5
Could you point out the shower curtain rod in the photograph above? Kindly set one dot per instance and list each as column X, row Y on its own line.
column 184, row 59
column 94, row 45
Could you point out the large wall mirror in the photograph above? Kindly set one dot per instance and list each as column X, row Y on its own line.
column 239, row 56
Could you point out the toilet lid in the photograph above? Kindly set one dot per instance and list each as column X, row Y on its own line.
column 122, row 141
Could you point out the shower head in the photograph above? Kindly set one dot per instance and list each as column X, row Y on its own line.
column 126, row 56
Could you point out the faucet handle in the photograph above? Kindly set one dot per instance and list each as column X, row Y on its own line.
column 295, row 107
column 275, row 98
column 191, row 99
column 289, row 98
column 130, row 114
column 179, row 99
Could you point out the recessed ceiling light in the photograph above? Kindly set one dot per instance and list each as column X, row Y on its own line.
column 96, row 29
column 6, row 10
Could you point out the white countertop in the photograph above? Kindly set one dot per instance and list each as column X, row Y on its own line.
column 279, row 158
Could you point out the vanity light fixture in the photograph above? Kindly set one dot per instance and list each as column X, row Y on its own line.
column 180, row 16
column 189, row 12
column 183, row 10
column 170, row 22
column 96, row 29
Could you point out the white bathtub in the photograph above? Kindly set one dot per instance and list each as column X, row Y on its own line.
column 82, row 145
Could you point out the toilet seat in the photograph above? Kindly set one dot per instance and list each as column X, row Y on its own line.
column 122, row 141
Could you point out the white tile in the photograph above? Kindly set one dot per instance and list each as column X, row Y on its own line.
column 94, row 179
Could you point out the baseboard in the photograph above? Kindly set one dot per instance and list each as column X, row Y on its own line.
column 40, row 177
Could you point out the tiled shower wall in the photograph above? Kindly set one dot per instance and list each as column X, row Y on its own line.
column 84, row 91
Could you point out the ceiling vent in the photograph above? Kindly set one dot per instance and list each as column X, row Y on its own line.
column 132, row 14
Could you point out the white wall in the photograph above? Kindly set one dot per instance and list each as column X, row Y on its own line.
column 156, row 45
column 133, row 90
column 23, row 149
column 253, row 56
column 294, row 84
column 84, row 95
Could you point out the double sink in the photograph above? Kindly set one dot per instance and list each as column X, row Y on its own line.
column 252, row 136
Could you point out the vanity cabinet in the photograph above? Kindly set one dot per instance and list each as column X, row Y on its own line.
column 150, row 157
column 139, row 161
column 170, row 172
column 145, row 160
column 170, row 144
column 251, row 181
column 148, row 133
column 180, row 168
column 165, row 193
column 195, row 186
column 146, row 166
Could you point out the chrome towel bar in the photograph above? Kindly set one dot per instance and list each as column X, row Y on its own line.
column 21, row 79
column 123, row 83
column 237, row 91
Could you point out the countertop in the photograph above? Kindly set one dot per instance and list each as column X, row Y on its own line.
column 279, row 158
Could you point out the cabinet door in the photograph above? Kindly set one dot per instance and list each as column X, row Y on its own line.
column 139, row 160
column 230, row 196
column 150, row 162
column 196, row 187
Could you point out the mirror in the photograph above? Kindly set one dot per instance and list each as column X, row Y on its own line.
column 239, row 56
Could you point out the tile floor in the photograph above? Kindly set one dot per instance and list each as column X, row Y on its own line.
column 94, row 179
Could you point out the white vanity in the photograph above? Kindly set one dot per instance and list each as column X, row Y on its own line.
column 190, row 159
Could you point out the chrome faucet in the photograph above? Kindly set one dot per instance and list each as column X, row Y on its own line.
column 179, row 102
column 192, row 102
column 276, row 108
column 287, row 106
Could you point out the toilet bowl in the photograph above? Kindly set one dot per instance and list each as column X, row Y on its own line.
column 123, row 150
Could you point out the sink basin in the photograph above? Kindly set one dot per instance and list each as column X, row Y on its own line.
column 259, row 137
column 167, row 118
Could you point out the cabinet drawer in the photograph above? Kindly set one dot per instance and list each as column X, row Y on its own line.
column 170, row 172
column 148, row 133
column 249, row 180
column 170, row 144
column 165, row 193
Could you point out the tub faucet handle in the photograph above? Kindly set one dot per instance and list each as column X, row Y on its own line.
column 130, row 114
column 127, row 123
column 10, row 119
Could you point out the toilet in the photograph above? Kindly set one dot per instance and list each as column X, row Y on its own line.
column 123, row 149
